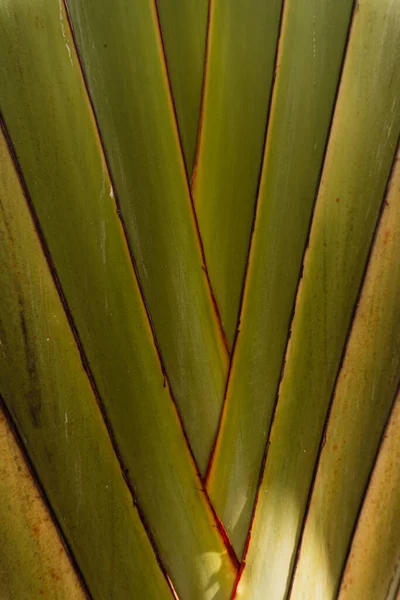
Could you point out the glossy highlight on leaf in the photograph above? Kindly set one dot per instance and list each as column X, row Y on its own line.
column 199, row 299
column 361, row 149
column 102, row 295
column 301, row 112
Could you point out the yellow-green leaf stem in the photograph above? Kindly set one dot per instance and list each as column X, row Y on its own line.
column 239, row 74
column 184, row 33
column 49, row 397
column 33, row 561
column 48, row 116
column 119, row 44
column 310, row 56
column 373, row 566
column 357, row 167
column 363, row 398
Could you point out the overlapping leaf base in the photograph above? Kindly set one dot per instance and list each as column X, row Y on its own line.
column 200, row 299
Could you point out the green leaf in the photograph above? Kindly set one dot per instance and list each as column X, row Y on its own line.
column 33, row 561
column 308, row 67
column 178, row 180
column 122, row 57
column 49, row 397
column 363, row 398
column 372, row 569
column 361, row 148
column 49, row 118
column 184, row 34
column 239, row 74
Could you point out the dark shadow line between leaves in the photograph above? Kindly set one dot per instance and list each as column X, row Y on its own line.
column 338, row 372
column 396, row 586
column 218, row 523
column 187, row 177
column 74, row 330
column 237, row 329
column 203, row 94
column 292, row 314
column 365, row 492
column 13, row 425
column 219, row 526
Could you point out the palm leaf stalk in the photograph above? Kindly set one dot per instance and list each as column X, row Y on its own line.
column 199, row 299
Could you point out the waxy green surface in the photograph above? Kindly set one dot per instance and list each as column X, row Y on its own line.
column 33, row 560
column 113, row 360
column 238, row 78
column 308, row 66
column 49, row 397
column 360, row 153
column 363, row 398
column 120, row 46
column 372, row 570
column 55, row 139
column 184, row 27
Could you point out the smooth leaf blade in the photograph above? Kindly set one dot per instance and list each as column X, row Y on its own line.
column 113, row 357
column 61, row 158
column 372, row 569
column 308, row 67
column 122, row 56
column 238, row 79
column 360, row 153
column 33, row 560
column 184, row 31
column 49, row 397
column 363, row 398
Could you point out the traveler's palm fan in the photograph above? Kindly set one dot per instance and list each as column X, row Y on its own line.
column 200, row 299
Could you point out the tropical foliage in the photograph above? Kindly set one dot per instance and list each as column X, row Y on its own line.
column 199, row 299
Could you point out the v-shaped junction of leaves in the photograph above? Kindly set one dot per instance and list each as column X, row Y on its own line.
column 73, row 201
column 360, row 154
column 301, row 112
column 176, row 178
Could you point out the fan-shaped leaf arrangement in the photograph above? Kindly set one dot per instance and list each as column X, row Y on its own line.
column 200, row 299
